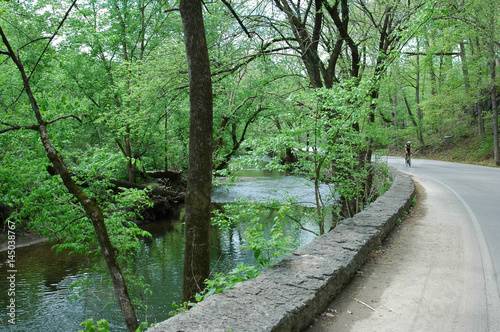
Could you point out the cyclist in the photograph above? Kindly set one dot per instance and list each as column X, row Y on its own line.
column 408, row 152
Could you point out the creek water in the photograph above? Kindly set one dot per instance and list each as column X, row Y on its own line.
column 46, row 301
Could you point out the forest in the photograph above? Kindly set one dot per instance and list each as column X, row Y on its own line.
column 112, row 112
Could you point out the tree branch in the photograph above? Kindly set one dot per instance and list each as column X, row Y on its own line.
column 36, row 127
column 270, row 207
column 52, row 37
column 34, row 41
column 17, row 127
column 434, row 53
column 244, row 102
column 240, row 22
column 92, row 208
column 79, row 118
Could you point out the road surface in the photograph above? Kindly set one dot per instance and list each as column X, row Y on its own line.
column 440, row 269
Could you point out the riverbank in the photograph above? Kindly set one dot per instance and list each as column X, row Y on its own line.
column 23, row 239
column 289, row 295
column 253, row 184
column 45, row 278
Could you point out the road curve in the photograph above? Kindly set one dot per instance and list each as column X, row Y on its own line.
column 443, row 272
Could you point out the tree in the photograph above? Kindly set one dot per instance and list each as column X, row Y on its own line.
column 198, row 195
column 122, row 40
column 492, row 45
column 460, row 49
column 93, row 210
column 335, row 50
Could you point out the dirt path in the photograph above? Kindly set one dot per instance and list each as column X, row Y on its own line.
column 426, row 276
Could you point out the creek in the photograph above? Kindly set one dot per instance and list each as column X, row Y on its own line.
column 46, row 301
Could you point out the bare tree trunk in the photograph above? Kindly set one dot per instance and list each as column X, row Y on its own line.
column 395, row 114
column 93, row 210
column 198, row 196
column 417, row 87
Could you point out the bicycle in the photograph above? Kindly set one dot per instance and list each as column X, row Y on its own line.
column 408, row 160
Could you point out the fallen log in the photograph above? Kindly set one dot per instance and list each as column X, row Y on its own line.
column 165, row 195
column 175, row 177
column 125, row 184
column 162, row 194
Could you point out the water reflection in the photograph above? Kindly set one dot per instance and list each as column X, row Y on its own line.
column 262, row 185
column 43, row 279
column 42, row 289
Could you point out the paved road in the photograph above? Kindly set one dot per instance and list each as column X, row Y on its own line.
column 441, row 271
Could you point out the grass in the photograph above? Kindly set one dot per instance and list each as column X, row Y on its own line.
column 467, row 150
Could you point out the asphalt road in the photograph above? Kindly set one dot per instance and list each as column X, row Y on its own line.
column 440, row 269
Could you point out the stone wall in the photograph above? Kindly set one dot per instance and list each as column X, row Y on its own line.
column 289, row 295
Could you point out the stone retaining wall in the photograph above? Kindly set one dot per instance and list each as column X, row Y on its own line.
column 289, row 295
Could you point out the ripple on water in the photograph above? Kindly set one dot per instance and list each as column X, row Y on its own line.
column 44, row 278
column 271, row 188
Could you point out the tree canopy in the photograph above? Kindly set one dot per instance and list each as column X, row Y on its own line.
column 97, row 92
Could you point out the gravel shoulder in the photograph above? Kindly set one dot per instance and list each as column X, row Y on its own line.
column 426, row 276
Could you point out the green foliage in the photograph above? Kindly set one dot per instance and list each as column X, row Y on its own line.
column 326, row 135
column 40, row 202
column 413, row 201
column 97, row 162
column 268, row 242
column 103, row 326
column 267, row 249
column 143, row 326
column 123, row 70
column 21, row 168
column 222, row 281
column 226, row 217
column 381, row 179
column 185, row 306
column 89, row 326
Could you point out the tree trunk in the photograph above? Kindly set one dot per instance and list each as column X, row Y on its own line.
column 198, row 196
column 494, row 107
column 236, row 143
column 480, row 120
column 432, row 73
column 417, row 93
column 166, row 141
column 412, row 118
column 493, row 62
column 395, row 113
column 131, row 171
column 465, row 73
column 93, row 210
